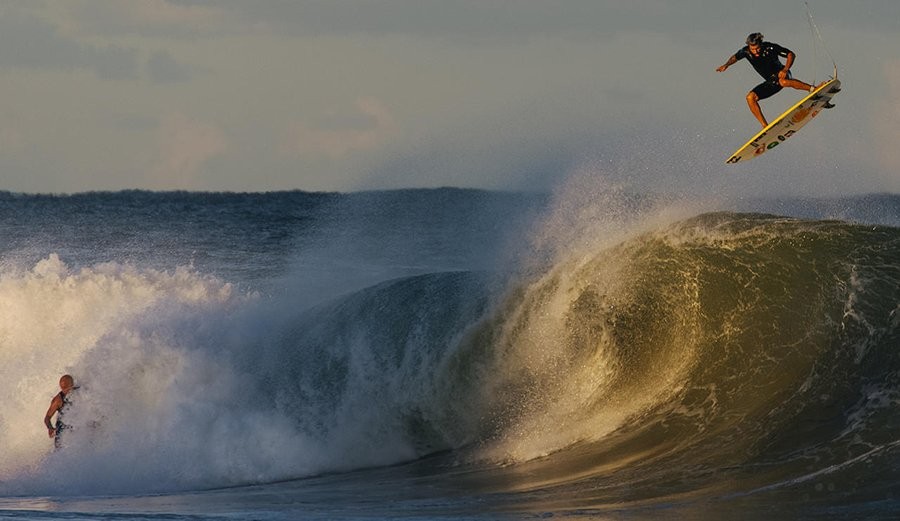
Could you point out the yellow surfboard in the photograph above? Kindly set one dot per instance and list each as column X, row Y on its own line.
column 788, row 123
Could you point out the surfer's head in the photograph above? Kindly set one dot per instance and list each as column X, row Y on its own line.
column 66, row 383
column 754, row 39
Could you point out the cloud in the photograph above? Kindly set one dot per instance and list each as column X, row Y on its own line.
column 11, row 139
column 27, row 42
column 886, row 123
column 368, row 126
column 163, row 68
column 185, row 145
column 147, row 17
column 461, row 21
column 193, row 14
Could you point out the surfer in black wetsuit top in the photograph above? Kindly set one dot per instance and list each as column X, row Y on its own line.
column 765, row 58
column 58, row 406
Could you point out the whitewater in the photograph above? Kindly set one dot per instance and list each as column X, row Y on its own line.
column 450, row 354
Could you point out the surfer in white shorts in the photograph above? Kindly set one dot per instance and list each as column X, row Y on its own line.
column 764, row 57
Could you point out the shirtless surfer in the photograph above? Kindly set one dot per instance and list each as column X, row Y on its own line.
column 764, row 57
column 58, row 406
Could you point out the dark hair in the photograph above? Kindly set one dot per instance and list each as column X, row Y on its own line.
column 755, row 39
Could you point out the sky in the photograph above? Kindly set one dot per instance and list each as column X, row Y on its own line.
column 340, row 95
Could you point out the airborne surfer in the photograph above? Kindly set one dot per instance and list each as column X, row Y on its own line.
column 764, row 57
column 58, row 406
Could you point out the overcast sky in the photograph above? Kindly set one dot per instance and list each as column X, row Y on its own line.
column 369, row 94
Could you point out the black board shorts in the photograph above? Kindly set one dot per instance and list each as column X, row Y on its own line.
column 769, row 87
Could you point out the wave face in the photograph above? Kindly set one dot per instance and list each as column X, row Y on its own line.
column 722, row 356
column 727, row 355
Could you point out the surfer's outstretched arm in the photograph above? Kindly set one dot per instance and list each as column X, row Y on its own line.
column 731, row 61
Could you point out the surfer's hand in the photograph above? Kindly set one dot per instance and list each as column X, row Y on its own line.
column 52, row 432
column 722, row 68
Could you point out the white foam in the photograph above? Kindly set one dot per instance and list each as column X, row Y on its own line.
column 158, row 407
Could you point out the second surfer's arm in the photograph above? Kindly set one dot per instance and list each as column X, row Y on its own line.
column 55, row 405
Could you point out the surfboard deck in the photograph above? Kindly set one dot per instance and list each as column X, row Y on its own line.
column 787, row 124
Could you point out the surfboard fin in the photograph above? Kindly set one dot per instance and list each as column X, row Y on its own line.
column 828, row 105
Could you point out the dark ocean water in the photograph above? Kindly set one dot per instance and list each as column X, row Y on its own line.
column 450, row 354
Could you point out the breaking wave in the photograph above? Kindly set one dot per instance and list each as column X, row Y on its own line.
column 730, row 352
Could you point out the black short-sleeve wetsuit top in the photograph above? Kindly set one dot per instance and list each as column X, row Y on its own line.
column 767, row 63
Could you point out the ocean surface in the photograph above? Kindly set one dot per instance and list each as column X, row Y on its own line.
column 450, row 354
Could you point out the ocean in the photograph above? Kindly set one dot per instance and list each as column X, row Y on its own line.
column 450, row 354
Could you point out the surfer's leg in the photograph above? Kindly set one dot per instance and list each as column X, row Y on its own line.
column 762, row 91
column 795, row 84
column 753, row 103
column 789, row 81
